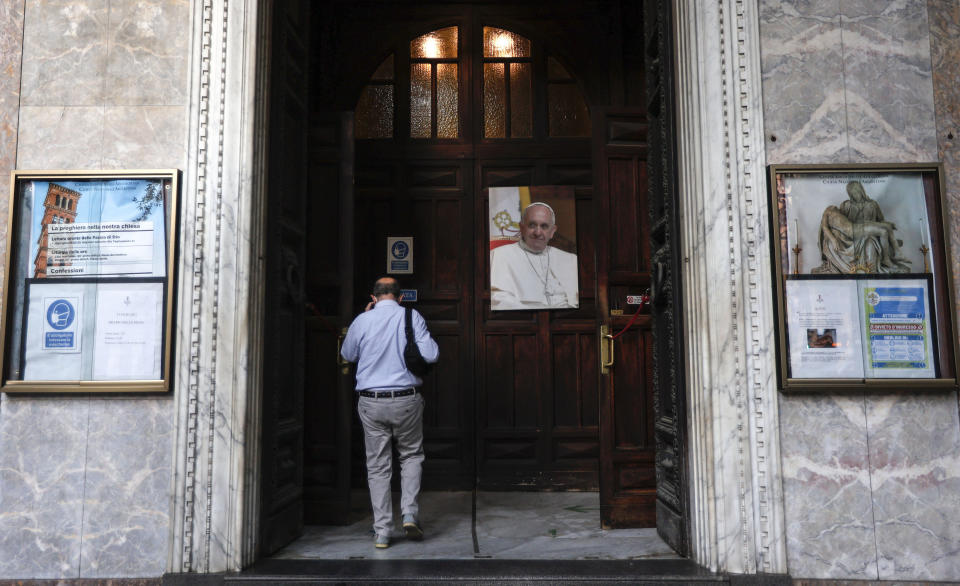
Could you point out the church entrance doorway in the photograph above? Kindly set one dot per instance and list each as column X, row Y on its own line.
column 395, row 120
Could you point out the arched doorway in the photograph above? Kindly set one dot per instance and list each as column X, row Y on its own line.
column 513, row 404
column 520, row 401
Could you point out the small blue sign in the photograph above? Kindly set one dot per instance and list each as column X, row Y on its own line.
column 400, row 249
column 400, row 255
column 60, row 314
column 409, row 295
column 58, row 340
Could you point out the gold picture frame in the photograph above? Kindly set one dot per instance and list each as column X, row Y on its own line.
column 863, row 279
column 89, row 281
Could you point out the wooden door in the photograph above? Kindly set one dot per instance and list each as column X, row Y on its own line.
column 537, row 416
column 673, row 515
column 283, row 374
column 512, row 404
column 628, row 487
column 329, row 305
column 518, row 401
column 425, row 193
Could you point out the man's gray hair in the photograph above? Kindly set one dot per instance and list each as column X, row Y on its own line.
column 553, row 215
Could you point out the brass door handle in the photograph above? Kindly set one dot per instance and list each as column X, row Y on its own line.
column 606, row 349
column 341, row 361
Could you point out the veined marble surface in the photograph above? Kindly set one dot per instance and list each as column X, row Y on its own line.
column 886, row 69
column 803, row 87
column 870, row 481
column 915, row 474
column 42, row 467
column 11, row 45
column 826, row 487
column 85, row 481
column 509, row 525
column 944, row 17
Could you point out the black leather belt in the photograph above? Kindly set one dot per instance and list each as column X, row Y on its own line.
column 387, row 394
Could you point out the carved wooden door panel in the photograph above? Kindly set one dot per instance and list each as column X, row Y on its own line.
column 537, row 384
column 283, row 336
column 673, row 515
column 426, row 193
column 628, row 487
column 330, row 307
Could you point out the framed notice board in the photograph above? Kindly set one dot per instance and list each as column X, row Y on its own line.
column 89, row 281
column 863, row 281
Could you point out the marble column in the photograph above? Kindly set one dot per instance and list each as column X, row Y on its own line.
column 735, row 486
column 216, row 468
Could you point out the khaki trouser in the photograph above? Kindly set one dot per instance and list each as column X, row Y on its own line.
column 383, row 419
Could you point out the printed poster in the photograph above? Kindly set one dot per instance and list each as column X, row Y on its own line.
column 896, row 326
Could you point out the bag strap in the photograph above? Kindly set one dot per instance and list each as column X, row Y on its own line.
column 408, row 324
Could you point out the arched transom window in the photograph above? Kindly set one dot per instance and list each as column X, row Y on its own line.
column 511, row 71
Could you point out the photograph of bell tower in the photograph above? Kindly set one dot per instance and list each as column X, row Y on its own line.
column 60, row 208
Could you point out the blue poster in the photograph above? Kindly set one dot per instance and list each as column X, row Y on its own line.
column 896, row 324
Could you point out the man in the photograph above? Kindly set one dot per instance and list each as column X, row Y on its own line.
column 531, row 274
column 390, row 406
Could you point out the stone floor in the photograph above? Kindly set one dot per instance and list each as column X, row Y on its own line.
column 508, row 525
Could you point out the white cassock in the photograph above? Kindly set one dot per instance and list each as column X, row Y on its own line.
column 523, row 279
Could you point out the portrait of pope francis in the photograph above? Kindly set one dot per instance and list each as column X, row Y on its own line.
column 530, row 273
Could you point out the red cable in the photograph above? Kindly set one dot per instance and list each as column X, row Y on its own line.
column 632, row 320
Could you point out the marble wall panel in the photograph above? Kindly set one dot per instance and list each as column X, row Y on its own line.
column 126, row 513
column 944, row 17
column 144, row 137
column 910, row 469
column 60, row 137
column 915, row 473
column 11, row 45
column 42, row 452
column 146, row 62
column 803, row 92
column 826, row 488
column 103, row 85
column 888, row 81
column 65, row 52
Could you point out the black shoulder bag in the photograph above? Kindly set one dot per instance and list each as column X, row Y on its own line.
column 411, row 354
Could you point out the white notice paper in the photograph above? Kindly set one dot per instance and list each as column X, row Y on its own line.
column 127, row 344
column 823, row 324
column 102, row 249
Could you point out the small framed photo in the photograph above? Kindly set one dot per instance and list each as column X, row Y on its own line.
column 864, row 292
column 89, row 281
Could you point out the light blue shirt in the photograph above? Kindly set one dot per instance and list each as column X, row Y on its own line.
column 376, row 340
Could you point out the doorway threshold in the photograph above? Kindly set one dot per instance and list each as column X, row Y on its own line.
column 483, row 538
column 488, row 525
column 476, row 571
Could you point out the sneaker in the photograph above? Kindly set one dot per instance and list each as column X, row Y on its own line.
column 412, row 528
column 381, row 541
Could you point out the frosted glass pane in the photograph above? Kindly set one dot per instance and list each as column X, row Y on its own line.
column 420, row 100
column 498, row 42
column 385, row 71
column 448, row 115
column 439, row 44
column 521, row 101
column 494, row 99
column 568, row 114
column 375, row 112
column 555, row 71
